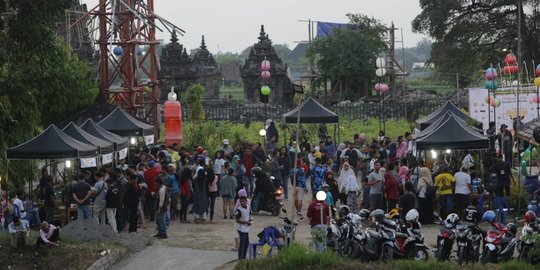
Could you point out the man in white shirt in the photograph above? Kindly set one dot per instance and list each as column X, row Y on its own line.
column 19, row 230
column 468, row 160
column 18, row 207
column 463, row 189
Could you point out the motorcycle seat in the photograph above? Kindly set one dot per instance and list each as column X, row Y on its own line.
column 402, row 235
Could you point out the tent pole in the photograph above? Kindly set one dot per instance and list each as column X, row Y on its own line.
column 297, row 148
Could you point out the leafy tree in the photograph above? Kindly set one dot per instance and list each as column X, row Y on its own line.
column 348, row 56
column 42, row 81
column 471, row 34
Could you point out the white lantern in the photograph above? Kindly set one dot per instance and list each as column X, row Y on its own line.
column 380, row 62
column 380, row 72
column 262, row 132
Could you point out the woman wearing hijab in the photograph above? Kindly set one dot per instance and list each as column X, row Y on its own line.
column 351, row 188
column 272, row 135
column 200, row 196
column 425, row 202
column 346, row 171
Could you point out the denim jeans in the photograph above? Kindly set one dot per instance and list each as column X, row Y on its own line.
column 447, row 204
column 243, row 244
column 257, row 201
column 151, row 203
column 249, row 182
column 49, row 214
column 32, row 215
column 84, row 211
column 160, row 222
column 111, row 217
column 500, row 203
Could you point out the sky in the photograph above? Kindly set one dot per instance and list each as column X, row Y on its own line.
column 233, row 25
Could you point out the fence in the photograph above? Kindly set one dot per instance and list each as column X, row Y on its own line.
column 346, row 112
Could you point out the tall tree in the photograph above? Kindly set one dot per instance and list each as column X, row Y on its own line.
column 471, row 34
column 347, row 57
column 41, row 80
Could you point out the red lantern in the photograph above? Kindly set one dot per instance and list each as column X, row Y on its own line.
column 537, row 72
column 506, row 70
column 510, row 59
column 265, row 75
column 265, row 65
column 378, row 87
column 513, row 69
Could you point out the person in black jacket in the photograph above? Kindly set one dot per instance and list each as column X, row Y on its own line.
column 263, row 188
column 131, row 201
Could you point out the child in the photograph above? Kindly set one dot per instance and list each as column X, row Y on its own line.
column 329, row 198
column 365, row 191
column 243, row 219
column 241, row 193
column 407, row 201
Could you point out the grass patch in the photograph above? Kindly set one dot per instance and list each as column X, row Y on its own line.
column 298, row 257
column 69, row 255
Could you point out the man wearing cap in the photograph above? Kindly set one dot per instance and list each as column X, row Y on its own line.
column 227, row 150
column 150, row 175
column 81, row 193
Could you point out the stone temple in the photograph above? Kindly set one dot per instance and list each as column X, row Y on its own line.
column 279, row 83
column 180, row 70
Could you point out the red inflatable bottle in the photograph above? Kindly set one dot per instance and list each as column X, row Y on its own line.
column 172, row 111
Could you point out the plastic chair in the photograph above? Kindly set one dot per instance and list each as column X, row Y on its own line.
column 269, row 237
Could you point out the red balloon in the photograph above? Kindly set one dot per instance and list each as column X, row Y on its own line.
column 508, row 70
column 510, row 59
column 537, row 72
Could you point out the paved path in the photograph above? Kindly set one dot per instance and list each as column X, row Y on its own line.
column 161, row 257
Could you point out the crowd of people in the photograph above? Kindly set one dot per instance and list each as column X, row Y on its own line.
column 167, row 183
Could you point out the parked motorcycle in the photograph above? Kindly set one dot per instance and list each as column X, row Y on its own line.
column 380, row 238
column 446, row 237
column 345, row 235
column 469, row 237
column 532, row 227
column 500, row 240
column 410, row 240
column 288, row 228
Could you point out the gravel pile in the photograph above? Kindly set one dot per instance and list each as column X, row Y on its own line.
column 90, row 230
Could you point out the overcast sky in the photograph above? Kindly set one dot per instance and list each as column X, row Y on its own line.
column 233, row 25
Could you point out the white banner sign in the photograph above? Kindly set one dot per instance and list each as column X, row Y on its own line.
column 107, row 158
column 502, row 106
column 122, row 154
column 88, row 162
column 148, row 140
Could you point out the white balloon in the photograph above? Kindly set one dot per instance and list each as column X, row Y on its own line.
column 380, row 72
column 380, row 62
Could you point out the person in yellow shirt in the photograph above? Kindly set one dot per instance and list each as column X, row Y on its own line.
column 445, row 184
column 175, row 157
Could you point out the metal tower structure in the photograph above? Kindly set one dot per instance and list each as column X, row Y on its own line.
column 128, row 61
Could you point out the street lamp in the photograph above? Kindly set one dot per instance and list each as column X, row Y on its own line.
column 68, row 164
column 381, row 88
column 133, row 141
column 262, row 133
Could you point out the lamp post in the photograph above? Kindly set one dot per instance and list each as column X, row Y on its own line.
column 381, row 88
column 262, row 133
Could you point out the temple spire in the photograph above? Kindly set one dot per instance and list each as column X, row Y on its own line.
column 174, row 38
column 203, row 44
column 262, row 35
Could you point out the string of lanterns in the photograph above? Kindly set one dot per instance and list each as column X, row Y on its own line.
column 265, row 75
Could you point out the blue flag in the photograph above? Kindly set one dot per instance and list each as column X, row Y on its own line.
column 326, row 28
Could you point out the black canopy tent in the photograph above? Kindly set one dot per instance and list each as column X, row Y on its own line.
column 311, row 112
column 74, row 131
column 95, row 130
column 453, row 134
column 52, row 144
column 425, row 122
column 440, row 121
column 123, row 124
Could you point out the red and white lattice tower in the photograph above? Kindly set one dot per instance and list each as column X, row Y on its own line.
column 126, row 40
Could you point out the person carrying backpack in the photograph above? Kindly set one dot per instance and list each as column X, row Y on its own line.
column 113, row 202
